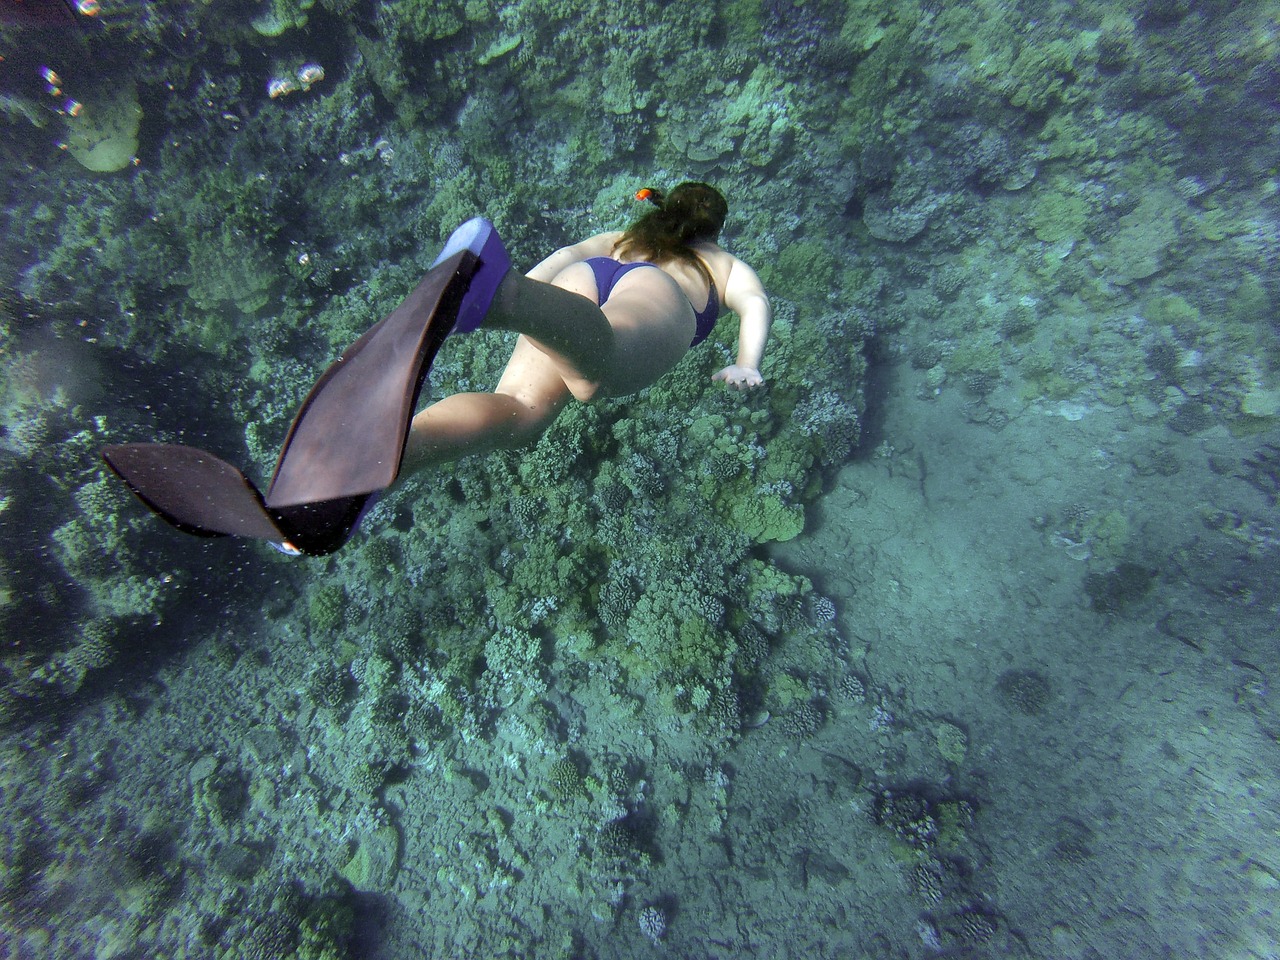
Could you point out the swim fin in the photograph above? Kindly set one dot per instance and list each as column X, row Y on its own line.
column 40, row 13
column 347, row 440
column 480, row 236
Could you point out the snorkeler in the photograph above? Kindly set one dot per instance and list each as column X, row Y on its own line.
column 604, row 317
column 635, row 314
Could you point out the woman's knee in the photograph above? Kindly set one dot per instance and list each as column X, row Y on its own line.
column 527, row 422
column 521, row 433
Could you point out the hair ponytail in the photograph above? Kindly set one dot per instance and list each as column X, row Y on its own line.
column 693, row 213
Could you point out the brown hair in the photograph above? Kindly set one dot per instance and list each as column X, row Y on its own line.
column 692, row 213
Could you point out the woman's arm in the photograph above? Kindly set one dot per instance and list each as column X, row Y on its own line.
column 601, row 245
column 745, row 295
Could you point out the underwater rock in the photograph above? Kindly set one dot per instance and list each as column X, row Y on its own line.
column 897, row 223
column 1261, row 402
column 202, row 769
column 103, row 137
column 276, row 17
column 500, row 48
column 1137, row 250
column 952, row 742
column 376, row 860
column 241, row 860
column 904, row 210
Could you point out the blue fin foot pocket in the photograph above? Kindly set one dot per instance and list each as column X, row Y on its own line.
column 480, row 236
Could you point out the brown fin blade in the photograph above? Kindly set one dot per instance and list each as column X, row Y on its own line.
column 346, row 442
column 193, row 490
column 39, row 13
column 349, row 435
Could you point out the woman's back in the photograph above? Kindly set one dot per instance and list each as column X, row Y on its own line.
column 719, row 262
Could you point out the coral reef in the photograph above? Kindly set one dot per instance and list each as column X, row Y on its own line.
column 526, row 673
column 327, row 686
column 1114, row 591
column 565, row 780
column 1027, row 691
column 653, row 923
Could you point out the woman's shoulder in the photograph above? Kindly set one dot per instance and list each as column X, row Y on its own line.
column 712, row 252
column 718, row 259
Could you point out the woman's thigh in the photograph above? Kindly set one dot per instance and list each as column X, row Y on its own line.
column 532, row 379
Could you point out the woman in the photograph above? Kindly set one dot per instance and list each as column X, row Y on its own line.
column 604, row 317
column 607, row 316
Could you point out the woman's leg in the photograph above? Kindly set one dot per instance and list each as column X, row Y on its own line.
column 569, row 346
column 563, row 319
column 529, row 396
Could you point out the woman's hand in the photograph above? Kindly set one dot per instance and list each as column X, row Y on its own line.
column 739, row 378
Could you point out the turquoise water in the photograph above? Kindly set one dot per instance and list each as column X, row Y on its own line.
column 954, row 641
